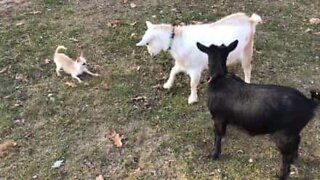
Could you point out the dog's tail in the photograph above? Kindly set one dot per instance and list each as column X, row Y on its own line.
column 58, row 48
column 255, row 19
column 315, row 97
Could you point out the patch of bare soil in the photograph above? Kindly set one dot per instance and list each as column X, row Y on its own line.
column 7, row 6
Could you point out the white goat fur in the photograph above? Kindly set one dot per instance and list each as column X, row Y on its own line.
column 189, row 59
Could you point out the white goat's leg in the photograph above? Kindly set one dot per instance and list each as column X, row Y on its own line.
column 247, row 72
column 194, row 82
column 174, row 71
column 246, row 61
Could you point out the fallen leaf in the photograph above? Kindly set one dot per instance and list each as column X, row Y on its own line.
column 138, row 98
column 71, row 84
column 47, row 61
column 134, row 23
column 19, row 121
column 18, row 1
column 115, row 23
column 106, row 86
column 6, row 147
column 116, row 138
column 308, row 30
column 21, row 77
column 100, row 177
column 57, row 164
column 133, row 5
column 19, row 24
column 317, row 33
column 18, row 103
column 133, row 35
column 35, row 12
column 157, row 86
column 74, row 39
column 314, row 21
column 4, row 69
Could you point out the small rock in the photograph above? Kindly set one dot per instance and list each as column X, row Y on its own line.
column 133, row 5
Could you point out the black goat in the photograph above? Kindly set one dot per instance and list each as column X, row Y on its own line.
column 259, row 109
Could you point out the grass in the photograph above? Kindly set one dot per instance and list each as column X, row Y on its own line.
column 164, row 137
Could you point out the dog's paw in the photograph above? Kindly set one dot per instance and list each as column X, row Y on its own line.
column 167, row 85
column 192, row 99
column 215, row 156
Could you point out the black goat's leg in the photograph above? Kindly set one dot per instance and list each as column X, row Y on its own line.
column 288, row 147
column 219, row 132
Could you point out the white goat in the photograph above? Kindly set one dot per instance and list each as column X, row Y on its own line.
column 181, row 41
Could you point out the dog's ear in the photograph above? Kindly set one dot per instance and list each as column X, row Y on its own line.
column 149, row 24
column 141, row 43
column 202, row 47
column 232, row 46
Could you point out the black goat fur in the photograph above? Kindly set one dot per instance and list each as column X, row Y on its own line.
column 258, row 109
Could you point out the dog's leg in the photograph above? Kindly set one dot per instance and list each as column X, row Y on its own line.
column 58, row 70
column 77, row 78
column 89, row 72
column 194, row 81
column 219, row 131
column 174, row 71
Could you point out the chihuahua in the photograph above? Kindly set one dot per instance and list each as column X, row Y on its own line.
column 74, row 68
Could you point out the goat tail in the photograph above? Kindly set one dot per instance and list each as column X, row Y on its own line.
column 255, row 19
column 60, row 47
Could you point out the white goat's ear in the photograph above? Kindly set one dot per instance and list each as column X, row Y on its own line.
column 149, row 24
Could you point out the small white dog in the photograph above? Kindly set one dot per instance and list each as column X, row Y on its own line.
column 181, row 41
column 74, row 68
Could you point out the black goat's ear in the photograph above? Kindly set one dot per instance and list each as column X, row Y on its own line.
column 232, row 46
column 202, row 47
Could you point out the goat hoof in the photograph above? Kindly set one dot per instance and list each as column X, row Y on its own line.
column 167, row 85
column 192, row 99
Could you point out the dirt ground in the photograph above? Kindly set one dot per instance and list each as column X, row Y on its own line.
column 163, row 136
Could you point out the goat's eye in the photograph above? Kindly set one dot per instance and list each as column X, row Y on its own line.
column 147, row 44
